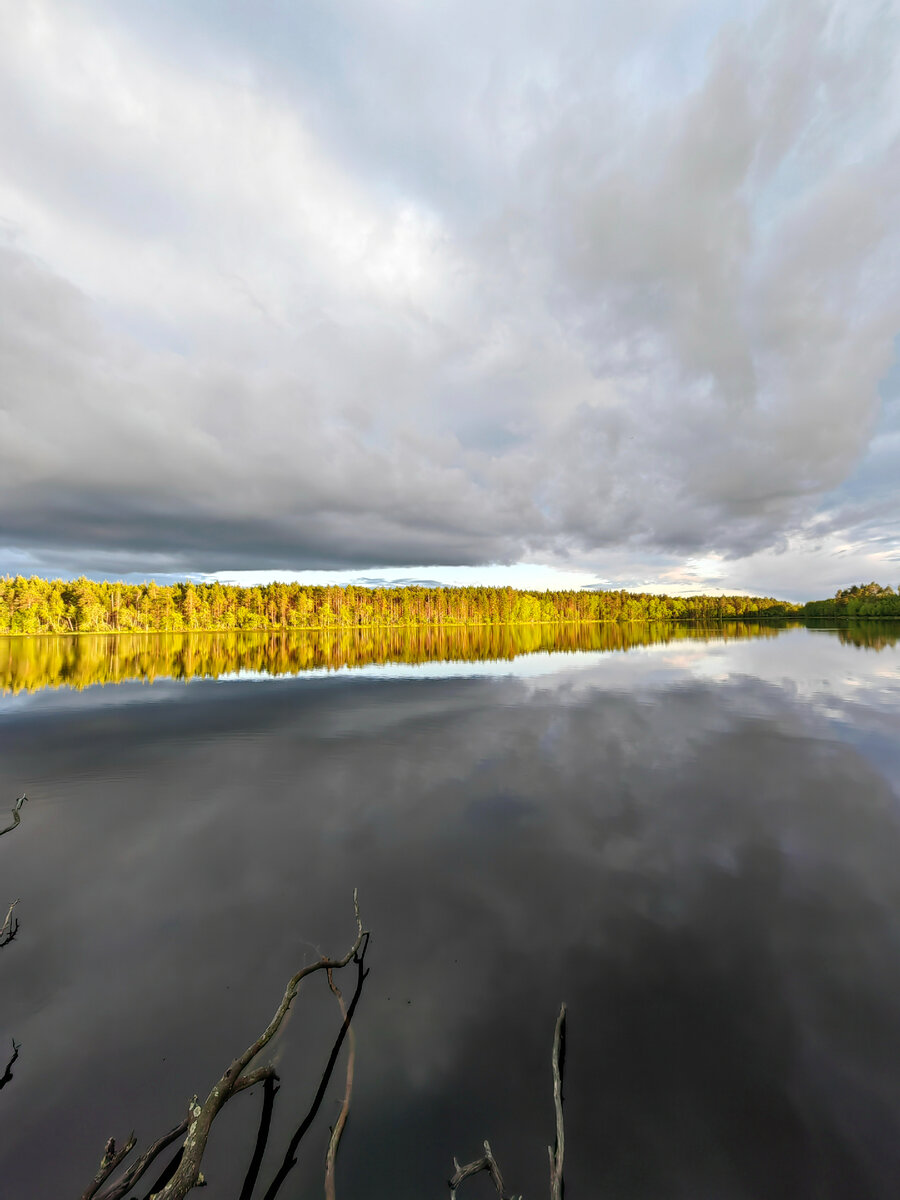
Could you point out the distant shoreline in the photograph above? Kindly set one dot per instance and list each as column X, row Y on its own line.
column 793, row 618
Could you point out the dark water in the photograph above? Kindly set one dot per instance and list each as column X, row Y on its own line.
column 695, row 844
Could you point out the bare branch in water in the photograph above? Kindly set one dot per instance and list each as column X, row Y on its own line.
column 7, row 1075
column 202, row 1116
column 182, row 1173
column 557, row 1187
column 486, row 1163
column 108, row 1163
column 290, row 1159
column 336, row 1133
column 16, row 818
column 126, row 1181
column 10, row 926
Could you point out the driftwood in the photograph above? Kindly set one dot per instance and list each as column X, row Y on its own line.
column 338, row 1130
column 10, row 926
column 488, row 1163
column 183, row 1173
column 269, row 1091
column 556, row 1152
column 124, row 1184
column 290, row 1157
column 8, row 931
column 16, row 815
column 108, row 1163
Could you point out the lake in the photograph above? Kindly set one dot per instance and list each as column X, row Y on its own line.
column 690, row 835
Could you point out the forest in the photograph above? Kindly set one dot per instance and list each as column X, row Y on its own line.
column 34, row 605
column 861, row 600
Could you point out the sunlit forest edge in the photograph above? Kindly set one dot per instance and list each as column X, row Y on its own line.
column 34, row 605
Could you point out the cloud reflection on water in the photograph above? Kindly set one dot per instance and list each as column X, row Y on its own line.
column 701, row 863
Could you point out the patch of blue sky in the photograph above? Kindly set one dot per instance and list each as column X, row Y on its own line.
column 528, row 576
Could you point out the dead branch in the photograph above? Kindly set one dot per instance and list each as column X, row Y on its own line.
column 202, row 1116
column 16, row 817
column 336, row 1133
column 290, row 1157
column 126, row 1181
column 108, row 1163
column 486, row 1163
column 557, row 1187
column 10, row 926
column 7, row 1075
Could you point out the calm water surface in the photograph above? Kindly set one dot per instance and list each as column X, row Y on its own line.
column 695, row 843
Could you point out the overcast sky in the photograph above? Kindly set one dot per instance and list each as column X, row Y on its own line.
column 383, row 288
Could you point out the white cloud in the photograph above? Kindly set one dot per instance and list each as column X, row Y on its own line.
column 426, row 287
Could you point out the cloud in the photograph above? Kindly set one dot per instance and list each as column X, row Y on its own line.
column 396, row 289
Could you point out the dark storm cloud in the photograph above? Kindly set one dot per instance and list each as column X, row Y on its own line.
column 388, row 286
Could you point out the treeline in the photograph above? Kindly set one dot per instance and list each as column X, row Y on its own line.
column 34, row 605
column 30, row 664
column 861, row 600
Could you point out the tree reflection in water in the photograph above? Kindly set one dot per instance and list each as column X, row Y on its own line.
column 28, row 664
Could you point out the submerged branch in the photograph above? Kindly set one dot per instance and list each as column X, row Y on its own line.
column 10, row 926
column 108, row 1163
column 557, row 1187
column 182, row 1173
column 202, row 1116
column 16, row 815
column 337, row 1132
column 290, row 1160
column 486, row 1163
column 125, row 1182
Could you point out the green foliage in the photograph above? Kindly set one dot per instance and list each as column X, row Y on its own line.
column 81, row 606
column 860, row 600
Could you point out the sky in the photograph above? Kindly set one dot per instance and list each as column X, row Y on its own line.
column 570, row 294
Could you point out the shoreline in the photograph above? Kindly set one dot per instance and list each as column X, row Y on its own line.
column 751, row 619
